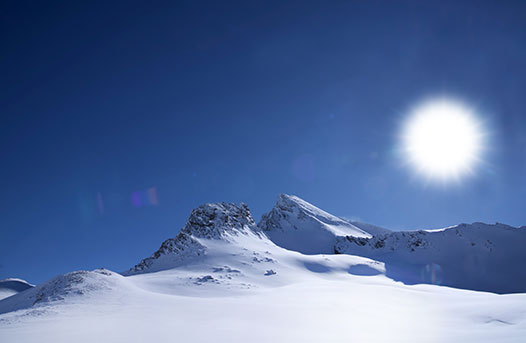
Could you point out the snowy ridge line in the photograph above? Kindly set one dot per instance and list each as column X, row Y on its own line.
column 14, row 279
column 478, row 256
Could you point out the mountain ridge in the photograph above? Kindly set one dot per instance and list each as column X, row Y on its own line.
column 478, row 256
column 297, row 225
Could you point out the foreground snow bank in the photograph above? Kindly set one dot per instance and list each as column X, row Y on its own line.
column 334, row 308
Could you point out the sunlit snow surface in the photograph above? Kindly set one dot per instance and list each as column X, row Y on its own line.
column 241, row 287
column 228, row 298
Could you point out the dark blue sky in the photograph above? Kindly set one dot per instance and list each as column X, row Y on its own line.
column 238, row 101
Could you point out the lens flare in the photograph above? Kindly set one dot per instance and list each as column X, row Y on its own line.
column 432, row 273
column 443, row 139
column 145, row 198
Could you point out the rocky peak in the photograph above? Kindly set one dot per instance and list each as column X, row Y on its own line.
column 211, row 221
column 208, row 221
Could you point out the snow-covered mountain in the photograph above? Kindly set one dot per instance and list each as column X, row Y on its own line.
column 296, row 225
column 11, row 286
column 474, row 256
column 301, row 274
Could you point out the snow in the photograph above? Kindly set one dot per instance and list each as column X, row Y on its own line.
column 5, row 293
column 12, row 286
column 371, row 229
column 474, row 256
column 223, row 279
column 311, row 298
column 297, row 225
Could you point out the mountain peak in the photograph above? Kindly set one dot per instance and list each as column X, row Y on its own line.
column 213, row 220
column 209, row 221
column 290, row 202
column 298, row 225
column 282, row 197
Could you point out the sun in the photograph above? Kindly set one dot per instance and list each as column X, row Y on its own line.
column 442, row 139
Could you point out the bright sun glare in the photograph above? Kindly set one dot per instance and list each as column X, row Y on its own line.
column 443, row 139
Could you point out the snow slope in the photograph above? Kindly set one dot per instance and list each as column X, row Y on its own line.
column 310, row 298
column 297, row 225
column 11, row 286
column 474, row 256
column 223, row 280
column 345, row 308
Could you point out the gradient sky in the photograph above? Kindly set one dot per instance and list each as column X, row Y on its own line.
column 119, row 117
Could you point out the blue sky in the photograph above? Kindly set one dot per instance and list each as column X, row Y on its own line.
column 118, row 118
